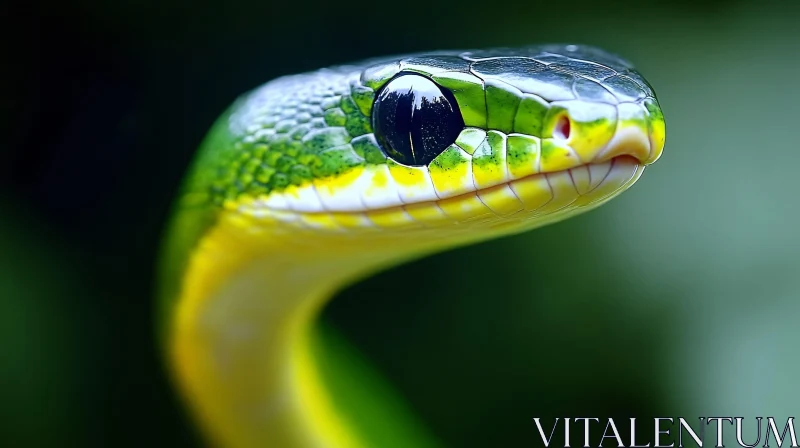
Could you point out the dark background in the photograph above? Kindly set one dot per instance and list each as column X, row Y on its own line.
column 678, row 298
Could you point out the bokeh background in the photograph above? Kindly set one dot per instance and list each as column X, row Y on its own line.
column 680, row 298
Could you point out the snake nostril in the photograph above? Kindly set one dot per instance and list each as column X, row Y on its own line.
column 563, row 128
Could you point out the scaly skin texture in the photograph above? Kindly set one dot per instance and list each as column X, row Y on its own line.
column 291, row 197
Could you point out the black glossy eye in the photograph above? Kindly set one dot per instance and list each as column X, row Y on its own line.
column 415, row 119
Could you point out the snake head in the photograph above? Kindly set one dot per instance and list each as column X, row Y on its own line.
column 502, row 139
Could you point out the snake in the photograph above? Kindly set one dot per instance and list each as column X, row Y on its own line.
column 315, row 181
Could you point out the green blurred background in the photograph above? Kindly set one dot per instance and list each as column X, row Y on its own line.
column 680, row 298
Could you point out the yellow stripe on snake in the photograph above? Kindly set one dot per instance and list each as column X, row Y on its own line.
column 314, row 181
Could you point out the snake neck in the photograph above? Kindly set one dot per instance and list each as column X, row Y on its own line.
column 242, row 335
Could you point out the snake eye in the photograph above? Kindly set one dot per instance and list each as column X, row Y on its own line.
column 415, row 119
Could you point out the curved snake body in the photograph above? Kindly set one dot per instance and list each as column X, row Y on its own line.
column 293, row 195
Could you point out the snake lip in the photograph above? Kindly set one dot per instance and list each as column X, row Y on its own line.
column 603, row 168
column 610, row 161
column 606, row 163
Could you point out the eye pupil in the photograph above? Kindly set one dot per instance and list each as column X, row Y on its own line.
column 415, row 119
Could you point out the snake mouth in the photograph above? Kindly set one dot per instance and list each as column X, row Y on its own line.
column 535, row 199
column 543, row 194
